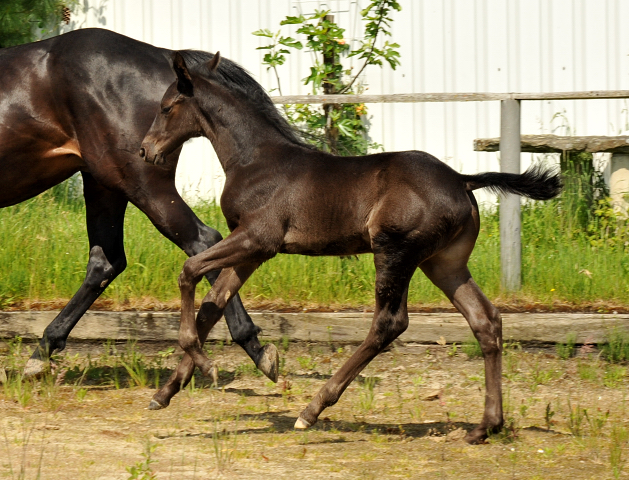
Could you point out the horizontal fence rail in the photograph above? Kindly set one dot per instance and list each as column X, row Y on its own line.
column 448, row 97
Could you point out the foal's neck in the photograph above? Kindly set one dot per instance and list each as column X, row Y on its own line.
column 238, row 132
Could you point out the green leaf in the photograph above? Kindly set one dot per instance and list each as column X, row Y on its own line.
column 293, row 20
column 263, row 33
column 291, row 42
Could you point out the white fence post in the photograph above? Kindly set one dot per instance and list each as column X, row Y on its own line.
column 510, row 222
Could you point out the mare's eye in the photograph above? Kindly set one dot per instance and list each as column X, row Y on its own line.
column 166, row 110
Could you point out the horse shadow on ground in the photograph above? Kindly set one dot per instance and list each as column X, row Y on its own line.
column 283, row 422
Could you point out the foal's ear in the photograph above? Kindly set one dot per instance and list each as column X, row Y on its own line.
column 212, row 64
column 184, row 81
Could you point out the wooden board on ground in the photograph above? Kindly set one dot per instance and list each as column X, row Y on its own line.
column 346, row 327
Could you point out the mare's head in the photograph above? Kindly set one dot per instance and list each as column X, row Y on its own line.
column 179, row 118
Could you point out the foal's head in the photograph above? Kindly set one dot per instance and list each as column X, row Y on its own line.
column 180, row 117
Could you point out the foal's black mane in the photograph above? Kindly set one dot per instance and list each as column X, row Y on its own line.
column 236, row 78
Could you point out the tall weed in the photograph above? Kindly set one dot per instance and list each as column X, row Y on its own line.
column 616, row 347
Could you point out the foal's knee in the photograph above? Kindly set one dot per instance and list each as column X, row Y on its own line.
column 186, row 278
column 187, row 341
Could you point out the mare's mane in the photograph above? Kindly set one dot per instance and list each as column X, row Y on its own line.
column 236, row 78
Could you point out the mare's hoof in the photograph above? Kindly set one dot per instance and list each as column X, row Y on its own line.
column 34, row 367
column 269, row 362
column 302, row 424
column 155, row 405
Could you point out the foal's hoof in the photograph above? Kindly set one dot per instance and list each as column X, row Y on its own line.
column 302, row 424
column 269, row 362
column 34, row 367
column 210, row 370
column 476, row 436
column 155, row 405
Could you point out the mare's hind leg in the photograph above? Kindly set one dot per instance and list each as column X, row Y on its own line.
column 448, row 271
column 393, row 274
column 105, row 218
column 230, row 280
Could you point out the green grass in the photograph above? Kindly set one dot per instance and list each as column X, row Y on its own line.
column 44, row 251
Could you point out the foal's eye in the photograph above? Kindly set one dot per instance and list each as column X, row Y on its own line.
column 166, row 110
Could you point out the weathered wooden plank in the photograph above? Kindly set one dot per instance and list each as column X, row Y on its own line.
column 391, row 98
column 558, row 144
column 318, row 327
column 448, row 97
column 581, row 95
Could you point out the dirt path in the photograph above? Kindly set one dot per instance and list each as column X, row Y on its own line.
column 403, row 419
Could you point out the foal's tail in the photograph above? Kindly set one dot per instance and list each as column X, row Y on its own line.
column 537, row 182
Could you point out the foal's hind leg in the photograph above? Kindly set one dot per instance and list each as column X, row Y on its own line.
column 393, row 274
column 105, row 218
column 449, row 272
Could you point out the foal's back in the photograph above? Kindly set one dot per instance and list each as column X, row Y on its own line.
column 338, row 205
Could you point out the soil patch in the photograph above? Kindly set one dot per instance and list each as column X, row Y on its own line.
column 404, row 417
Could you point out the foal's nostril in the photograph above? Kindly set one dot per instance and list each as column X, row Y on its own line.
column 142, row 152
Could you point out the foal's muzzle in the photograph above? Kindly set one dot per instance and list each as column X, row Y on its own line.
column 150, row 157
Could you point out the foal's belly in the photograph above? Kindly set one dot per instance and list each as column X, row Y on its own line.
column 305, row 244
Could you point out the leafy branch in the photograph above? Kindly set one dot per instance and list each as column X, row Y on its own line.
column 276, row 55
column 379, row 22
column 342, row 125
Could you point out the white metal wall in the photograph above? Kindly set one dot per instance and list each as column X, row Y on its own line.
column 446, row 46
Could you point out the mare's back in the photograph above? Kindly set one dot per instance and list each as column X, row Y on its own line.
column 86, row 69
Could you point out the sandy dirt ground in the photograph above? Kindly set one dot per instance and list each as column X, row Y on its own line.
column 403, row 418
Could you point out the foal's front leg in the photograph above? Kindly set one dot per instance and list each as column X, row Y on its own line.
column 211, row 310
column 239, row 251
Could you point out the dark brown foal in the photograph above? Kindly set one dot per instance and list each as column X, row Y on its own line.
column 282, row 196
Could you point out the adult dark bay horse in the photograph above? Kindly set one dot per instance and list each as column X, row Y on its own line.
column 281, row 196
column 82, row 102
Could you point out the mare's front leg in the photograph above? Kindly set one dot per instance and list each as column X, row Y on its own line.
column 229, row 281
column 105, row 218
column 393, row 274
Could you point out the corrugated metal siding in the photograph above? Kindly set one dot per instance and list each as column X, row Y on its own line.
column 446, row 46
